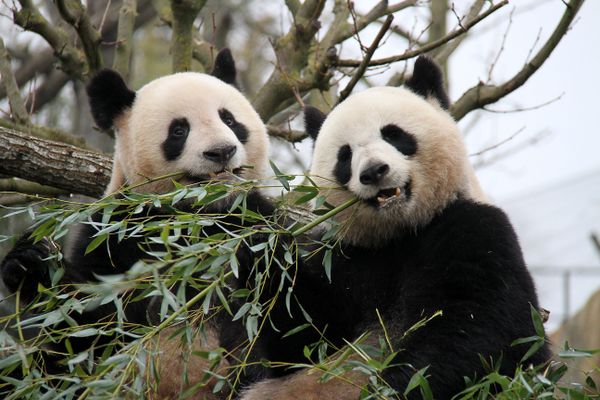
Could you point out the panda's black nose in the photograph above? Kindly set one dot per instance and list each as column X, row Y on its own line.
column 220, row 154
column 373, row 174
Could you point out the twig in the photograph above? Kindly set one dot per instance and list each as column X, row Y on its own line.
column 511, row 150
column 17, row 106
column 367, row 58
column 502, row 44
column 428, row 47
column 481, row 94
column 522, row 109
column 127, row 15
column 500, row 143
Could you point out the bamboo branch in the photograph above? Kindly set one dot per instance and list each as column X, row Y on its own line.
column 75, row 14
column 55, row 164
column 367, row 57
column 184, row 15
column 461, row 29
column 127, row 14
column 17, row 106
column 72, row 59
column 481, row 94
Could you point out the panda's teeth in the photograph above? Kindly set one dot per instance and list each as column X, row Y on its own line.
column 397, row 191
column 381, row 200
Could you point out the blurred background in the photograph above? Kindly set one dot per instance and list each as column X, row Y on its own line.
column 535, row 150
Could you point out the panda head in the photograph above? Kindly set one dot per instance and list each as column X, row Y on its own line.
column 190, row 123
column 395, row 148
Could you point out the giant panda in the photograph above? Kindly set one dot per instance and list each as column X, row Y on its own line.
column 195, row 124
column 419, row 240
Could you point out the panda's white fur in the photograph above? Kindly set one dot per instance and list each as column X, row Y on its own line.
column 198, row 98
column 437, row 172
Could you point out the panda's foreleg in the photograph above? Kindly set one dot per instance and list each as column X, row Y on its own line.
column 179, row 369
column 26, row 266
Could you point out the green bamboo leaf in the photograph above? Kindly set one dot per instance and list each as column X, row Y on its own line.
column 97, row 241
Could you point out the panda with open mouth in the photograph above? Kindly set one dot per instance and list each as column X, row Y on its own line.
column 420, row 244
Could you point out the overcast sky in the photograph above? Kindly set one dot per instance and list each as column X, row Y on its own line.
column 570, row 138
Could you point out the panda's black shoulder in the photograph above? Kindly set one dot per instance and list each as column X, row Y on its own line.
column 472, row 227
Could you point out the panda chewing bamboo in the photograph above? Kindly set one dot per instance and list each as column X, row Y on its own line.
column 190, row 123
column 420, row 240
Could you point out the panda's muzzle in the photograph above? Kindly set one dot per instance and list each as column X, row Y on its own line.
column 388, row 196
column 222, row 175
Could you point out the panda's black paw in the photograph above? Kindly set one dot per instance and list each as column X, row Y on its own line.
column 26, row 265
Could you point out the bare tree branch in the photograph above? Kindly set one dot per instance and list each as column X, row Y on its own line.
column 55, row 164
column 367, row 57
column 461, row 29
column 444, row 52
column 45, row 132
column 381, row 9
column 29, row 18
column 481, row 94
column 292, row 50
column 184, row 14
column 76, row 15
column 17, row 106
column 289, row 135
column 123, row 47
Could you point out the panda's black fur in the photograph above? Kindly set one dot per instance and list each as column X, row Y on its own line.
column 465, row 262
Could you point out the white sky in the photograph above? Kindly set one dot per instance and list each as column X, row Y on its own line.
column 572, row 144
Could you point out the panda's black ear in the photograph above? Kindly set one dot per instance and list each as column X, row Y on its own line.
column 313, row 119
column 224, row 67
column 109, row 97
column 428, row 81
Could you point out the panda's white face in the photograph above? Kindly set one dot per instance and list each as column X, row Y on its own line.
column 399, row 153
column 191, row 123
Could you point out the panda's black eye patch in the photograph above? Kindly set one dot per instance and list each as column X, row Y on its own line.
column 343, row 167
column 238, row 128
column 172, row 147
column 403, row 141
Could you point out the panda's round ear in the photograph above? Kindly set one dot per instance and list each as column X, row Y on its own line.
column 109, row 97
column 224, row 67
column 313, row 119
column 428, row 81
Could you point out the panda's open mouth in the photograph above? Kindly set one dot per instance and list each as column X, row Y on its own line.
column 222, row 175
column 388, row 196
